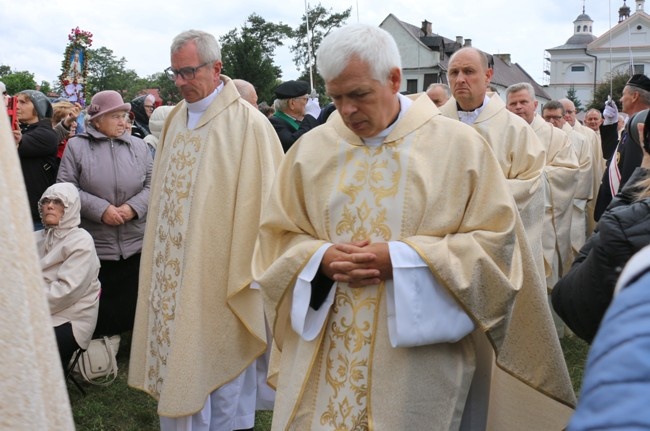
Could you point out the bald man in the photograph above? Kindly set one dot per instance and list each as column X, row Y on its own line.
column 520, row 153
column 246, row 90
column 439, row 93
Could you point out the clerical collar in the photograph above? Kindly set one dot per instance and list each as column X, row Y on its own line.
column 469, row 117
column 378, row 139
column 196, row 109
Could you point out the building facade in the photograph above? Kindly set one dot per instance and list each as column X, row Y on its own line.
column 425, row 59
column 586, row 60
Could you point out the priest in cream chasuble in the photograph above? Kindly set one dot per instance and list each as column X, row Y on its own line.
column 459, row 334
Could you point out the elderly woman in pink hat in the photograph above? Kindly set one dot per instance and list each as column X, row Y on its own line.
column 112, row 170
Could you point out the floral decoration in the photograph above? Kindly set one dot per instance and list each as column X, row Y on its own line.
column 78, row 41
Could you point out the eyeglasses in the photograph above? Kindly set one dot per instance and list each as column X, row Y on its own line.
column 55, row 201
column 552, row 117
column 149, row 107
column 305, row 98
column 187, row 73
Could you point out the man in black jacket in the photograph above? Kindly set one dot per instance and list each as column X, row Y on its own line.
column 37, row 145
column 295, row 112
column 626, row 155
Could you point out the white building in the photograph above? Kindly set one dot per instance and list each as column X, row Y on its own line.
column 586, row 60
column 425, row 58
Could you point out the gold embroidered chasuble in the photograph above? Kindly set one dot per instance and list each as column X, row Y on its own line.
column 560, row 175
column 435, row 185
column 33, row 395
column 522, row 159
column 198, row 323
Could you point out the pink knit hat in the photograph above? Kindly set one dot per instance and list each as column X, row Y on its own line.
column 105, row 102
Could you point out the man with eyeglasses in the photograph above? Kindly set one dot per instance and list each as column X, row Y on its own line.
column 598, row 161
column 199, row 324
column 295, row 112
column 554, row 113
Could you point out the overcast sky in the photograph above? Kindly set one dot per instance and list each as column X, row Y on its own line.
column 33, row 33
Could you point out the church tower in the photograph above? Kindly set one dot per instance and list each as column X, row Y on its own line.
column 624, row 12
column 639, row 5
column 583, row 24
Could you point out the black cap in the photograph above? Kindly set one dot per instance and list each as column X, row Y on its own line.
column 291, row 89
column 640, row 81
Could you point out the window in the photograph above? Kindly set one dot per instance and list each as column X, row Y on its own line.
column 411, row 86
column 578, row 29
column 577, row 68
column 429, row 78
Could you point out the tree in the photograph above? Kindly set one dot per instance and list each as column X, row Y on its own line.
column 4, row 70
column 19, row 81
column 571, row 95
column 45, row 87
column 612, row 85
column 321, row 22
column 106, row 72
column 248, row 54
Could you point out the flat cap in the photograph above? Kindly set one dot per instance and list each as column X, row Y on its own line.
column 291, row 89
column 640, row 81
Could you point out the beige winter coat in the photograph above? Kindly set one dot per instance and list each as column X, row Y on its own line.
column 70, row 266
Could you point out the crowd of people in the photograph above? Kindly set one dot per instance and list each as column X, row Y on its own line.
column 311, row 260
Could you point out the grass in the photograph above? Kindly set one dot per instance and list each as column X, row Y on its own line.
column 120, row 408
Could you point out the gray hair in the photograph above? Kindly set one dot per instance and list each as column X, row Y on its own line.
column 206, row 45
column 554, row 104
column 281, row 105
column 644, row 95
column 369, row 44
column 600, row 115
column 445, row 87
column 514, row 88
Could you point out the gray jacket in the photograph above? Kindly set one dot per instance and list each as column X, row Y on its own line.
column 109, row 171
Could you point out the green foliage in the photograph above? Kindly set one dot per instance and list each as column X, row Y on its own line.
column 613, row 85
column 4, row 70
column 106, row 72
column 248, row 54
column 321, row 22
column 45, row 87
column 571, row 95
column 18, row 81
column 166, row 88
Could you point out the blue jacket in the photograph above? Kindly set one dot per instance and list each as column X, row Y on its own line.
column 616, row 385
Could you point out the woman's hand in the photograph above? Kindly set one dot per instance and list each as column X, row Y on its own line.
column 18, row 136
column 112, row 216
column 126, row 212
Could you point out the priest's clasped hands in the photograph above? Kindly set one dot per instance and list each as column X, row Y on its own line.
column 359, row 264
